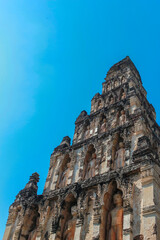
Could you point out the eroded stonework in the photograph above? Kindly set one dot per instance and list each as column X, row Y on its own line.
column 106, row 185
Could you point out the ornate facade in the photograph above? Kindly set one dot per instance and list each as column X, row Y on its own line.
column 106, row 185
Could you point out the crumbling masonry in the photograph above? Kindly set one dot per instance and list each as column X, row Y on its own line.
column 106, row 185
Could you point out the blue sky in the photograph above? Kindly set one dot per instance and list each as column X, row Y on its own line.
column 54, row 55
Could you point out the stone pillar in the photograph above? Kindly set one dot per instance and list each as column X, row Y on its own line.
column 127, row 227
column 96, row 219
column 150, row 197
column 79, row 225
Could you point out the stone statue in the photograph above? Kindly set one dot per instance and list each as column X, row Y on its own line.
column 92, row 129
column 103, row 126
column 123, row 96
column 33, row 234
column 120, row 156
column 115, row 219
column 63, row 178
column 122, row 118
column 71, row 225
column 111, row 100
column 115, row 120
column 91, row 166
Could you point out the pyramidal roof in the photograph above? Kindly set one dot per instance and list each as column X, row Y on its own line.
column 126, row 62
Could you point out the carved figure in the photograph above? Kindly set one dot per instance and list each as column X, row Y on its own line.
column 91, row 167
column 115, row 219
column 111, row 100
column 120, row 156
column 63, row 178
column 33, row 234
column 103, row 126
column 92, row 128
column 115, row 120
column 71, row 225
column 123, row 95
column 122, row 118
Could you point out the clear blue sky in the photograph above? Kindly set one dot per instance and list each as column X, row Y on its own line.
column 54, row 55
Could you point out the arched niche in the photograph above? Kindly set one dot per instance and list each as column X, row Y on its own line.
column 100, row 103
column 63, row 172
column 88, row 204
column 119, row 118
column 111, row 227
column 30, row 222
column 122, row 94
column 86, row 129
column 118, row 152
column 89, row 162
column 68, row 218
column 111, row 99
column 102, row 123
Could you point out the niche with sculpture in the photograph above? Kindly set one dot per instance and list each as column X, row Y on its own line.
column 112, row 214
column 103, row 124
column 78, row 133
column 63, row 172
column 99, row 104
column 122, row 117
column 119, row 118
column 30, row 223
column 111, row 99
column 118, row 152
column 122, row 94
column 67, row 220
column 86, row 129
column 88, row 203
column 89, row 163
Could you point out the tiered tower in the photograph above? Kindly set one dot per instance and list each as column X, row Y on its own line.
column 106, row 185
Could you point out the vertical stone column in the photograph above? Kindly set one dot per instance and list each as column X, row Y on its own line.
column 96, row 218
column 127, row 227
column 149, row 186
column 79, row 224
column 127, row 209
column 80, row 218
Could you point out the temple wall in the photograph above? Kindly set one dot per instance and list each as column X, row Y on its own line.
column 107, row 181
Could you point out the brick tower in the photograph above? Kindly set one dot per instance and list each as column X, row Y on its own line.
column 106, row 185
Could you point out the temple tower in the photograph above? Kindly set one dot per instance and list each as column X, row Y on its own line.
column 106, row 185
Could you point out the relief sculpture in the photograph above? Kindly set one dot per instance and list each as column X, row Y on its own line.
column 115, row 219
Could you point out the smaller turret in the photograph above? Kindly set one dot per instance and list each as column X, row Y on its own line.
column 30, row 189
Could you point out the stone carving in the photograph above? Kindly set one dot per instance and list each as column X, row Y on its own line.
column 120, row 156
column 67, row 221
column 91, row 166
column 123, row 95
column 111, row 100
column 63, row 178
column 122, row 118
column 99, row 106
column 114, row 122
column 29, row 222
column 63, row 172
column 89, row 163
column 87, row 132
column 115, row 219
column 71, row 225
column 103, row 126
column 33, row 234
